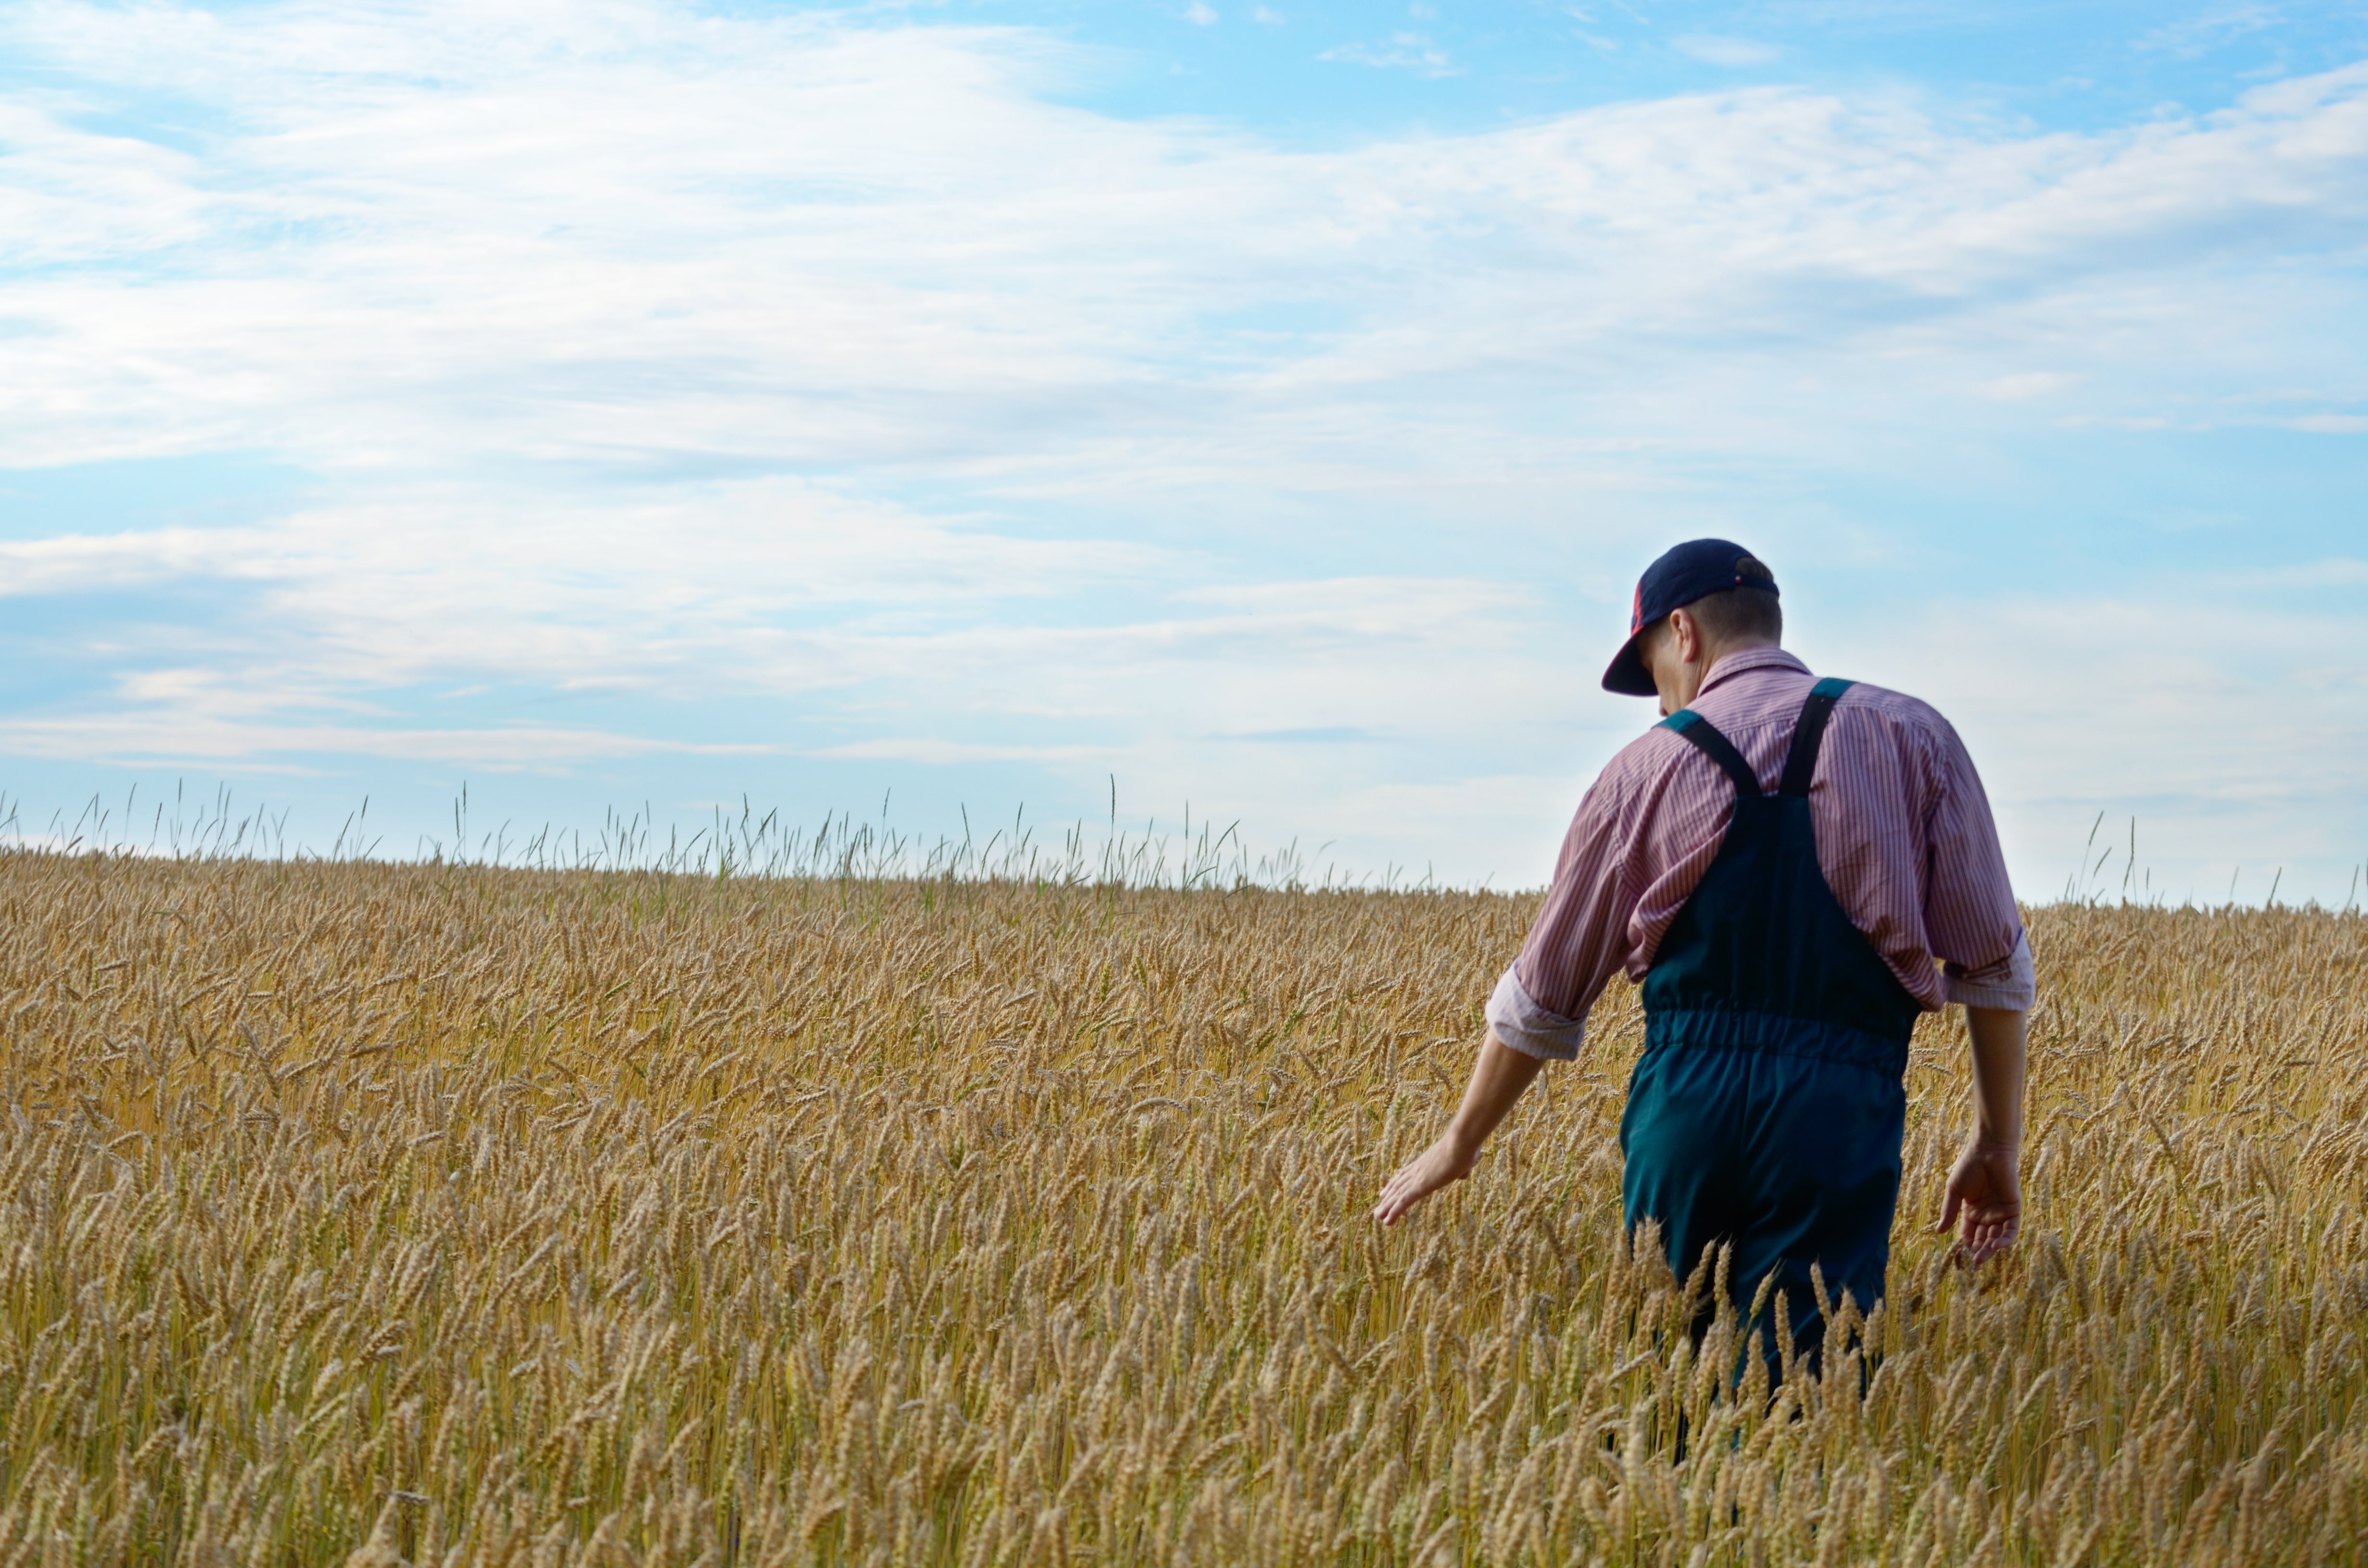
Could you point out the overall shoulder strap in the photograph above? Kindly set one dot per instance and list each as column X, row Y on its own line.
column 1800, row 762
column 1716, row 746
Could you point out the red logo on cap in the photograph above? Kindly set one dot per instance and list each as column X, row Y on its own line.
column 1636, row 610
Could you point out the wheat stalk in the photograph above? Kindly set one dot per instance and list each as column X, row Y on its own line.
column 459, row 1215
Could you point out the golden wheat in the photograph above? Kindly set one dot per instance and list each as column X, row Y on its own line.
column 459, row 1215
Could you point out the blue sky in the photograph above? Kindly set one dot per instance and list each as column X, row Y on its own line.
column 1267, row 405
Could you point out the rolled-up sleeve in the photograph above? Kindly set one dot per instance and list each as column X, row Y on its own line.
column 1971, row 919
column 2011, row 983
column 1517, row 1019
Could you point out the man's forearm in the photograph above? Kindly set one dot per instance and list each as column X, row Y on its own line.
column 1498, row 1078
column 2000, row 1041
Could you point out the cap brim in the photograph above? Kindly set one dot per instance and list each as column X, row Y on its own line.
column 1627, row 674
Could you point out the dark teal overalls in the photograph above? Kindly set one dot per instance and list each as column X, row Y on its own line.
column 1768, row 1107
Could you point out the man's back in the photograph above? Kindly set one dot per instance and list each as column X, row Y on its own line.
column 1904, row 838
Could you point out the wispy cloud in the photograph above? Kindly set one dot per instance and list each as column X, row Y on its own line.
column 667, row 354
column 1400, row 52
column 1320, row 734
column 2338, row 570
column 935, row 753
column 417, row 579
column 843, row 283
column 1717, row 49
column 2025, row 385
column 2189, row 37
column 180, row 739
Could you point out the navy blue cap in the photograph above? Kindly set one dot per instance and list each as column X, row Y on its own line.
column 1694, row 569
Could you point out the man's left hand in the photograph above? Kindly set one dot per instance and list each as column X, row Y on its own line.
column 1984, row 1200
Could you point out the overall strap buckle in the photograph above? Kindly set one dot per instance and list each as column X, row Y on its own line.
column 1800, row 762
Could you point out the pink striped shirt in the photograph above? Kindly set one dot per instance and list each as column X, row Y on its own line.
column 1904, row 838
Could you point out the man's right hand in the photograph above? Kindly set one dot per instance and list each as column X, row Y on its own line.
column 1983, row 1199
column 1443, row 1163
column 1498, row 1076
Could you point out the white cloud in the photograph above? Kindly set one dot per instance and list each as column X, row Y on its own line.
column 182, row 738
column 70, row 563
column 2185, row 707
column 2189, row 37
column 1714, row 50
column 2316, row 575
column 424, row 229
column 522, row 288
column 2025, row 385
column 941, row 753
column 431, row 583
column 1200, row 13
column 1401, row 51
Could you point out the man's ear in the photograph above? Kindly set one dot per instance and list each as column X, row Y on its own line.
column 1685, row 635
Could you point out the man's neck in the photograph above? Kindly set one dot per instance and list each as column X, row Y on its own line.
column 1697, row 675
column 1711, row 655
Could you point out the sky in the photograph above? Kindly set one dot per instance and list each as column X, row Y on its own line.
column 944, row 412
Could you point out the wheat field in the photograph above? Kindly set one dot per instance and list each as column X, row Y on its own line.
column 447, row 1214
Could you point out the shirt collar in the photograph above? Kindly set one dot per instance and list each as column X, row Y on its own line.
column 1737, row 663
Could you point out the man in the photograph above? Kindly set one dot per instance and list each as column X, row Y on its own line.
column 1793, row 869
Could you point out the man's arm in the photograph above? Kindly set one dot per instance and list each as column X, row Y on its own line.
column 1984, row 1193
column 1498, row 1078
column 1538, row 1012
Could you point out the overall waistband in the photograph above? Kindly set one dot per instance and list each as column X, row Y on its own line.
column 1721, row 1030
